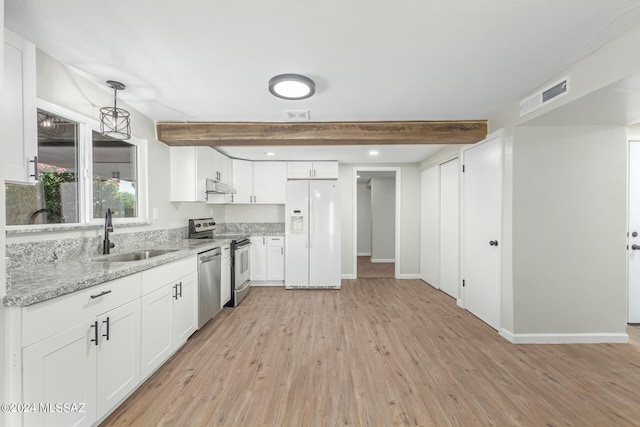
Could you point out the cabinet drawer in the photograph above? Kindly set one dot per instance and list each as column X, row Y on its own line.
column 156, row 278
column 56, row 315
column 275, row 241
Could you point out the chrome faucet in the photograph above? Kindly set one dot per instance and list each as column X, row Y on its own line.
column 108, row 227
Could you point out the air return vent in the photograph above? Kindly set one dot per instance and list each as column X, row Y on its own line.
column 545, row 96
column 297, row 115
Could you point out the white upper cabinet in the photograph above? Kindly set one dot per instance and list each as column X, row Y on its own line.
column 222, row 167
column 259, row 182
column 19, row 116
column 312, row 170
column 190, row 168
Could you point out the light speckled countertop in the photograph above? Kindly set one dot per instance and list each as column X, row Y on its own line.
column 34, row 284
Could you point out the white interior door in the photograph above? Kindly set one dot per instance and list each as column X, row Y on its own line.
column 634, row 232
column 482, row 223
column 324, row 234
column 430, row 226
column 450, row 227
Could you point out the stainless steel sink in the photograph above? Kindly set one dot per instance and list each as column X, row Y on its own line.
column 134, row 256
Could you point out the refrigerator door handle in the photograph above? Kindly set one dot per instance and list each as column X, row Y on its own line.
column 310, row 219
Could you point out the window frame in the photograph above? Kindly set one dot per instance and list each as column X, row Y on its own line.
column 85, row 126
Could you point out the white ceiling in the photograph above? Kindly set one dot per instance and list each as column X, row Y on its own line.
column 211, row 60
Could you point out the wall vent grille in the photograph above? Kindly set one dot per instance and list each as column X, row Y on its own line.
column 545, row 96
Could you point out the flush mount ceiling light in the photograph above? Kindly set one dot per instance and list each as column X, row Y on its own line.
column 291, row 86
column 373, row 153
column 114, row 121
column 270, row 153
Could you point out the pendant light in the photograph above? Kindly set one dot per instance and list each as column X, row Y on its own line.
column 114, row 121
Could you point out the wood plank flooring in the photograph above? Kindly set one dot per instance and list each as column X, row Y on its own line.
column 380, row 352
column 368, row 269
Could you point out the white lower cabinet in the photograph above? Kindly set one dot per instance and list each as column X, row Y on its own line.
column 267, row 258
column 91, row 349
column 169, row 311
column 92, row 364
column 225, row 275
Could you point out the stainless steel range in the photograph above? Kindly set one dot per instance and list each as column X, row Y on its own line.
column 204, row 228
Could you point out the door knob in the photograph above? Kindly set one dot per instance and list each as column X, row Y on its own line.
column 635, row 247
column 495, row 243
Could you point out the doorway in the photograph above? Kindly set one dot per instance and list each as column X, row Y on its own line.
column 376, row 220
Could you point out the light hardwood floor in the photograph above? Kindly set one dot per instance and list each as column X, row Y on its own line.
column 380, row 352
column 368, row 269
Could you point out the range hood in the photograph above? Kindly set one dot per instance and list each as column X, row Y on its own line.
column 216, row 187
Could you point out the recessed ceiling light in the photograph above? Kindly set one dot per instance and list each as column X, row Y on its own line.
column 291, row 86
column 373, row 153
column 270, row 153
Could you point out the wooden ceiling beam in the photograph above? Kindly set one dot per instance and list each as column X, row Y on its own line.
column 226, row 134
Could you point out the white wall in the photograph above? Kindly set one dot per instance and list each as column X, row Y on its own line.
column 430, row 226
column 383, row 219
column 409, row 255
column 364, row 220
column 569, row 230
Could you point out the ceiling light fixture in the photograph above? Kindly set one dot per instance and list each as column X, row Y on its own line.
column 114, row 121
column 373, row 153
column 269, row 153
column 291, row 86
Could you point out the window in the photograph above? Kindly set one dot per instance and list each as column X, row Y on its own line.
column 81, row 174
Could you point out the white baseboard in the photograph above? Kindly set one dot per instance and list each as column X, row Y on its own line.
column 348, row 276
column 375, row 260
column 429, row 283
column 409, row 276
column 364, row 254
column 276, row 283
column 459, row 303
column 595, row 338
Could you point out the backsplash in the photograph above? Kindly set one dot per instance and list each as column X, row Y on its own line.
column 74, row 249
column 251, row 228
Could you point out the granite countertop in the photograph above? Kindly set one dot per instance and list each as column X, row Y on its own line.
column 34, row 284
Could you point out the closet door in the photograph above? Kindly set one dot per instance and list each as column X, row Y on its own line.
column 482, row 225
column 430, row 226
column 450, row 227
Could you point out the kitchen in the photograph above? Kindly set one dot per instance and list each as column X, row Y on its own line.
column 604, row 70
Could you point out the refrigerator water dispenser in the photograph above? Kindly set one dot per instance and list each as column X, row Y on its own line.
column 297, row 222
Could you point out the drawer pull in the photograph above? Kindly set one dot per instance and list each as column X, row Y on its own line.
column 100, row 294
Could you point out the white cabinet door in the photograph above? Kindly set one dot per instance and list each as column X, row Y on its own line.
column 325, row 170
column 299, row 170
column 189, row 169
column 227, row 171
column 482, row 225
column 275, row 262
column 185, row 309
column 269, row 182
column 118, row 358
column 19, row 115
column 225, row 276
column 243, row 181
column 58, row 369
column 258, row 258
column 430, row 226
column 155, row 329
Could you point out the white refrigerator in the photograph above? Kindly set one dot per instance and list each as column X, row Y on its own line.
column 312, row 234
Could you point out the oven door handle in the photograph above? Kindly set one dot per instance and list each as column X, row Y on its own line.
column 244, row 286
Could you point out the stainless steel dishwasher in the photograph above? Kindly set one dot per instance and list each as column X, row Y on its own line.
column 208, row 285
